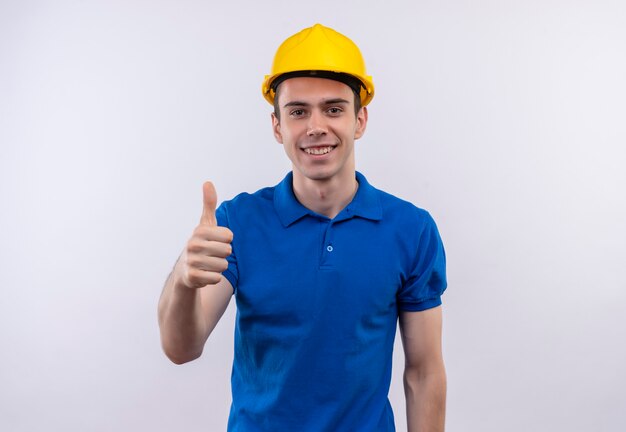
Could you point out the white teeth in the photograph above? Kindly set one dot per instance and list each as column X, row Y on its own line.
column 318, row 150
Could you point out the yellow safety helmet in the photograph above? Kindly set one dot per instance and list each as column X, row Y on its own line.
column 323, row 52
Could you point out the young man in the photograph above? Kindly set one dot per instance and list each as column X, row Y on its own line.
column 322, row 267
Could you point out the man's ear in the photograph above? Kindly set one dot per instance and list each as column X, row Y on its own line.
column 276, row 128
column 361, row 123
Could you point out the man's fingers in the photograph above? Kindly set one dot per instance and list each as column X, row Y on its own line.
column 209, row 264
column 199, row 278
column 214, row 233
column 209, row 248
column 209, row 204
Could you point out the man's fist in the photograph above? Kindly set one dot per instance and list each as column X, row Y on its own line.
column 204, row 257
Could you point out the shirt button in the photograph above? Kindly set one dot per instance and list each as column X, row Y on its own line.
column 329, row 248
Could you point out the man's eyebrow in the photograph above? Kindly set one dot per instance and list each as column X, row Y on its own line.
column 295, row 103
column 336, row 101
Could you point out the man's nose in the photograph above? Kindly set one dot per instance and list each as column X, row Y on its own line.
column 317, row 124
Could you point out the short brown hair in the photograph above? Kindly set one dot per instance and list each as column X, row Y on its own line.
column 350, row 81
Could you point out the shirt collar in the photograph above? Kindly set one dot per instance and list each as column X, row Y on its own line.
column 365, row 204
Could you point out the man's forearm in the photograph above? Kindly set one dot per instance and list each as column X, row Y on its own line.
column 180, row 322
column 425, row 401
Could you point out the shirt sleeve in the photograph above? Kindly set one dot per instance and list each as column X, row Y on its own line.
column 427, row 279
column 232, row 273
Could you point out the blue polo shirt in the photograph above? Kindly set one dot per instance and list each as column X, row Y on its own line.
column 317, row 306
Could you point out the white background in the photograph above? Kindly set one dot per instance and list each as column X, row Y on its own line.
column 505, row 119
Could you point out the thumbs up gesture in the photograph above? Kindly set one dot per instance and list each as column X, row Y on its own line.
column 204, row 258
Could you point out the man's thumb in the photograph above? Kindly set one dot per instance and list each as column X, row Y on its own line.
column 209, row 204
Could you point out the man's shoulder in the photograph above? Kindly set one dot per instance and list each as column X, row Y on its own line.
column 251, row 200
column 389, row 202
column 399, row 208
column 246, row 208
column 263, row 194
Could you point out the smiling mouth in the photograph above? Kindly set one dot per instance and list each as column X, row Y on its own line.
column 319, row 150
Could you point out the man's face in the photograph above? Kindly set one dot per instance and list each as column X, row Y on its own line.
column 317, row 127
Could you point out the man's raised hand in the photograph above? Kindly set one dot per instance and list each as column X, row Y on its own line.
column 204, row 257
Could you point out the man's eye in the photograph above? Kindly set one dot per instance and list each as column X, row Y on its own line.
column 297, row 113
column 335, row 110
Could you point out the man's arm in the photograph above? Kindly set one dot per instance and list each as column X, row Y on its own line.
column 196, row 294
column 424, row 371
column 187, row 316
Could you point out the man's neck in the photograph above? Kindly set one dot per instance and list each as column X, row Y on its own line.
column 326, row 197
